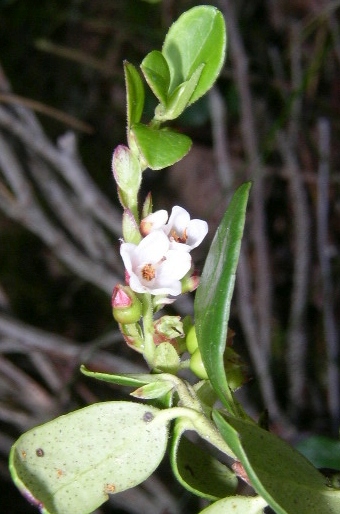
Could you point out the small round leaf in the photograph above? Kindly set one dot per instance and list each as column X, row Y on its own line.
column 197, row 37
column 72, row 464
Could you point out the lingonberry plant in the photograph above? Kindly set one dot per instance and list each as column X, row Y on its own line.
column 71, row 464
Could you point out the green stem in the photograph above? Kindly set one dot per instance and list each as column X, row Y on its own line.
column 149, row 345
column 198, row 422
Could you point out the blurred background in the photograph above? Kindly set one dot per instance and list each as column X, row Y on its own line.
column 273, row 118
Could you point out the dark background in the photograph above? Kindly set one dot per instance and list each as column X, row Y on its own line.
column 276, row 122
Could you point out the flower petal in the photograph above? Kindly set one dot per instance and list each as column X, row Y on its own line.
column 153, row 221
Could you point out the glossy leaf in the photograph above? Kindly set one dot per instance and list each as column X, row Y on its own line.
column 160, row 147
column 237, row 505
column 72, row 464
column 322, row 451
column 280, row 474
column 214, row 294
column 197, row 470
column 156, row 72
column 179, row 99
column 134, row 94
column 197, row 37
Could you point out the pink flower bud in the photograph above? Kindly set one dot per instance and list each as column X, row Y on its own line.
column 126, row 307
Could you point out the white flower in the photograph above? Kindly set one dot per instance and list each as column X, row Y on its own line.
column 184, row 233
column 153, row 221
column 153, row 267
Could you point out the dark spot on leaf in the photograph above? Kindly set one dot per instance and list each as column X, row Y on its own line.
column 40, row 452
column 189, row 469
column 148, row 416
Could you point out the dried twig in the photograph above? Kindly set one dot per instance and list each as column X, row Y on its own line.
column 262, row 281
column 324, row 254
column 296, row 333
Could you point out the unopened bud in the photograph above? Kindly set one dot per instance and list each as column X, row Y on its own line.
column 126, row 307
column 197, row 366
column 190, row 283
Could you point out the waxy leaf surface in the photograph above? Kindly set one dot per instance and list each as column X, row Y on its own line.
column 214, row 294
column 281, row 475
column 197, row 470
column 160, row 147
column 197, row 37
column 72, row 463
column 237, row 505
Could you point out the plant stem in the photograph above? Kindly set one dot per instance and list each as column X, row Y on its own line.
column 149, row 346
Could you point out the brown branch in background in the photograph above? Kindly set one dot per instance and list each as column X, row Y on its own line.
column 25, row 209
column 218, row 117
column 249, row 325
column 324, row 254
column 56, row 114
column 65, row 160
column 296, row 333
column 262, row 279
column 243, row 283
column 72, row 54
column 288, row 146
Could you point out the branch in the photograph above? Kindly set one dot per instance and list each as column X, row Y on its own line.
column 330, row 327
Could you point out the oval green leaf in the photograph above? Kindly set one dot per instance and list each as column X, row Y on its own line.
column 214, row 294
column 156, row 72
column 134, row 94
column 179, row 99
column 197, row 470
column 237, row 505
column 72, row 464
column 160, row 147
column 322, row 451
column 197, row 37
column 280, row 474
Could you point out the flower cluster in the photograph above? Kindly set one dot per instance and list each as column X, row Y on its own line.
column 158, row 263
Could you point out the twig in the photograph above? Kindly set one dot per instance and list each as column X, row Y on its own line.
column 262, row 279
column 66, row 162
column 24, row 338
column 27, row 211
column 220, row 139
column 296, row 334
column 331, row 335
column 61, row 116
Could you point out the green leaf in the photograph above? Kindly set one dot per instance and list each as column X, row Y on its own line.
column 237, row 505
column 280, row 474
column 134, row 94
column 128, row 175
column 179, row 99
column 156, row 72
column 197, row 37
column 129, row 380
column 72, row 464
column 214, row 294
column 160, row 147
column 166, row 358
column 197, row 470
column 322, row 451
column 153, row 390
column 130, row 228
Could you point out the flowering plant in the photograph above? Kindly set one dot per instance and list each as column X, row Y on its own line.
column 73, row 463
